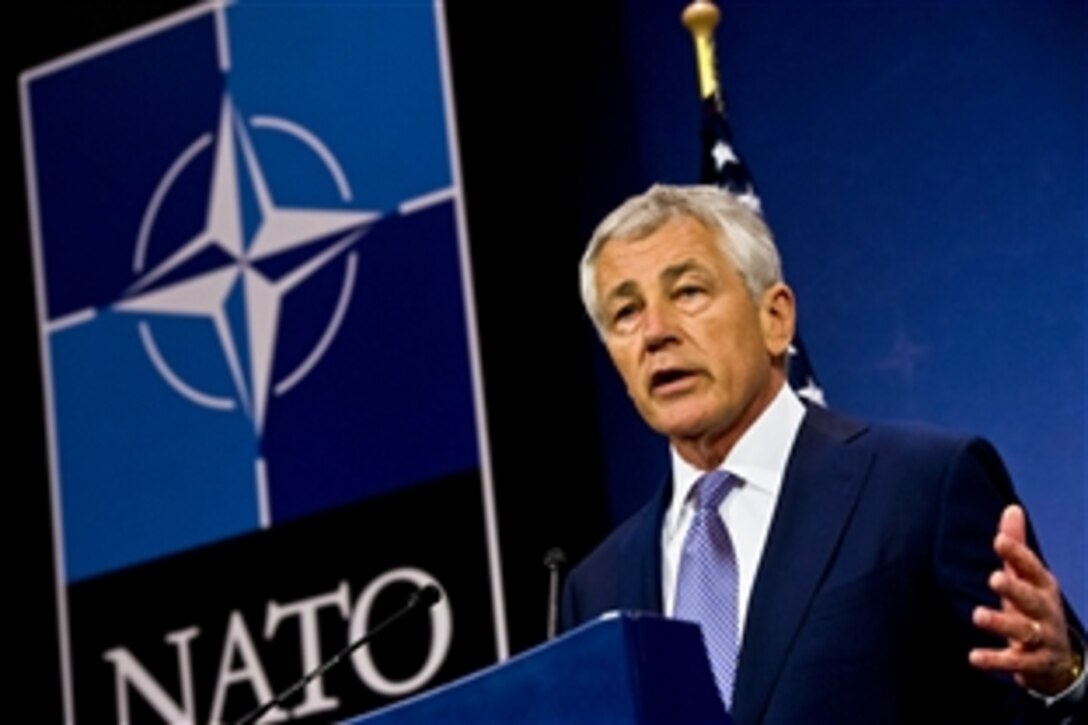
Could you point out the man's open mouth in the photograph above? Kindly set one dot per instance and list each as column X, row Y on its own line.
column 663, row 378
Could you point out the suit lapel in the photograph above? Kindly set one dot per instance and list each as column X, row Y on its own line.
column 825, row 474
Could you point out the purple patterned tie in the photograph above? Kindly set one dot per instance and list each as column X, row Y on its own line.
column 706, row 589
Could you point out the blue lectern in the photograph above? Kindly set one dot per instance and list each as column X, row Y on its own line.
column 621, row 668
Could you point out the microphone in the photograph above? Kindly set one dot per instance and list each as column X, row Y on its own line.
column 424, row 598
column 554, row 559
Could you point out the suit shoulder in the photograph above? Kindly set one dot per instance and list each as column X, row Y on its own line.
column 622, row 572
column 605, row 554
column 910, row 436
column 914, row 451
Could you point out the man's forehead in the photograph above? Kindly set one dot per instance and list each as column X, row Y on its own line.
column 666, row 273
column 663, row 254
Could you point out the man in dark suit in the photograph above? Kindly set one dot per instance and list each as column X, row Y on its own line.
column 877, row 573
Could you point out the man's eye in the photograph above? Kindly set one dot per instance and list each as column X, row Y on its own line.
column 689, row 290
column 624, row 317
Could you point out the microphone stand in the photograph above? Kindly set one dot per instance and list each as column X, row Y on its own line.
column 554, row 559
column 424, row 597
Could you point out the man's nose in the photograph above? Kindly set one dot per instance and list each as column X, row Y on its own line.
column 659, row 326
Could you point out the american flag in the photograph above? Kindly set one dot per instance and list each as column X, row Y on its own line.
column 723, row 167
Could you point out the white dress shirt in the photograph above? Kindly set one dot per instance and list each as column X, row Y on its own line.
column 759, row 460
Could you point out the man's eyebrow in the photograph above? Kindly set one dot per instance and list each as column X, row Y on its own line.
column 675, row 271
column 627, row 288
column 668, row 276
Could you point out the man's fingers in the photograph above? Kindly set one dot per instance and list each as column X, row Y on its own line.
column 1042, row 669
column 1021, row 559
column 1013, row 523
column 1012, row 626
column 1023, row 596
column 1030, row 619
column 1024, row 662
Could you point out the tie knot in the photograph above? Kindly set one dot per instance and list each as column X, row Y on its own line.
column 711, row 489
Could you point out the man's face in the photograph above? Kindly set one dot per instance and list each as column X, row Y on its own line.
column 695, row 351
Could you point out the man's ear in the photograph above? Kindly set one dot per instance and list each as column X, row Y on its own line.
column 777, row 318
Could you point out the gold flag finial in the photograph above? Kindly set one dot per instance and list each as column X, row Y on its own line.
column 701, row 18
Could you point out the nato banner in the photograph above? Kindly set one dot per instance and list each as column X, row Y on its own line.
column 261, row 376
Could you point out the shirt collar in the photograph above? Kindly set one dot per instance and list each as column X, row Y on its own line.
column 758, row 458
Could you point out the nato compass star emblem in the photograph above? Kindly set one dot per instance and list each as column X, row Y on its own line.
column 231, row 338
column 166, row 288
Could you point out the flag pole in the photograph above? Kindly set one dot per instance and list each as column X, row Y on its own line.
column 701, row 17
column 721, row 165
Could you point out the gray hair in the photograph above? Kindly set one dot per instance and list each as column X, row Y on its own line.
column 741, row 234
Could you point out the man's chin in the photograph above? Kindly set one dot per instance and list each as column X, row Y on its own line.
column 682, row 426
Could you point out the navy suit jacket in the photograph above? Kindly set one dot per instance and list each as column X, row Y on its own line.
column 880, row 546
